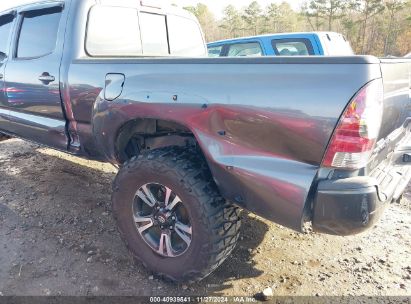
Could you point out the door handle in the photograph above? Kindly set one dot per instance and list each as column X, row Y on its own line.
column 46, row 78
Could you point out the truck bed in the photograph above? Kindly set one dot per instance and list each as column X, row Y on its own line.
column 277, row 114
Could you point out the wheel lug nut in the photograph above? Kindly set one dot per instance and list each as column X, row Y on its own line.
column 173, row 218
column 171, row 227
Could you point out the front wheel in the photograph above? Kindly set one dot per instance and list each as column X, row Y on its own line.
column 171, row 216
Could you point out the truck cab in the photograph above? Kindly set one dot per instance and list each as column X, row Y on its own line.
column 287, row 44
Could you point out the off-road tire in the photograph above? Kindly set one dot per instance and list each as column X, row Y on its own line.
column 215, row 222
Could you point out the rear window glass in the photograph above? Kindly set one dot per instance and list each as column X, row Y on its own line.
column 113, row 31
column 292, row 47
column 252, row 49
column 185, row 37
column 154, row 34
column 121, row 31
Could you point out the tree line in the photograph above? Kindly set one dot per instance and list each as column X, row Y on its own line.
column 377, row 27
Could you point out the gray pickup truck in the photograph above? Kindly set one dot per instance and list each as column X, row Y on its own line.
column 321, row 141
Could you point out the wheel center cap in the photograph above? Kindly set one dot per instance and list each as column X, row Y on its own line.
column 162, row 219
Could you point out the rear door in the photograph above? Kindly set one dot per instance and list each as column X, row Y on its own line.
column 6, row 26
column 32, row 75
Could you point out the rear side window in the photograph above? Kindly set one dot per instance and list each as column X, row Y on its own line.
column 122, row 31
column 185, row 37
column 252, row 49
column 113, row 31
column 292, row 47
column 215, row 51
column 38, row 32
column 6, row 22
column 154, row 34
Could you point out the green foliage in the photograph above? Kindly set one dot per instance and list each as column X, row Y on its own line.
column 252, row 16
column 325, row 11
column 280, row 18
column 232, row 21
column 206, row 19
column 377, row 27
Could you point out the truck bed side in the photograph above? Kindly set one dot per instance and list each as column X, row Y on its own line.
column 262, row 123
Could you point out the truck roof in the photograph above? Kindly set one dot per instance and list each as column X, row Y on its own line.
column 155, row 5
column 152, row 5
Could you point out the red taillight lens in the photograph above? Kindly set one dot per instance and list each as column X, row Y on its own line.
column 357, row 132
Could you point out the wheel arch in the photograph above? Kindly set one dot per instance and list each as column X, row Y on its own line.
column 139, row 134
column 115, row 123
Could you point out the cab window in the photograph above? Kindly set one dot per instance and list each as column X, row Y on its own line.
column 121, row 31
column 252, row 49
column 292, row 47
column 31, row 44
column 154, row 34
column 106, row 35
column 6, row 22
column 215, row 51
column 185, row 37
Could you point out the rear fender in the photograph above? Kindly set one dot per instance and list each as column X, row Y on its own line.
column 262, row 182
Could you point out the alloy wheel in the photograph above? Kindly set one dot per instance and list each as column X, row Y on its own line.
column 162, row 220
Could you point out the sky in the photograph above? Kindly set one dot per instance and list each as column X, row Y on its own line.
column 216, row 6
column 6, row 4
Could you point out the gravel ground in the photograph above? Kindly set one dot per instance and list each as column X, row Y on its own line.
column 57, row 237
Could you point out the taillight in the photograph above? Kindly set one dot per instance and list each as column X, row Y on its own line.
column 357, row 132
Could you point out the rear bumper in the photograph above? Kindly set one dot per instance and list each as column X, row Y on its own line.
column 352, row 205
column 347, row 206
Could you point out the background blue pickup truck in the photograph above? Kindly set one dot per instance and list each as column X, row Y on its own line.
column 288, row 44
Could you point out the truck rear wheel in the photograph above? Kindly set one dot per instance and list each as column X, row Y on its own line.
column 171, row 216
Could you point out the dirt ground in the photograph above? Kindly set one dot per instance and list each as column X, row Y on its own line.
column 57, row 237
